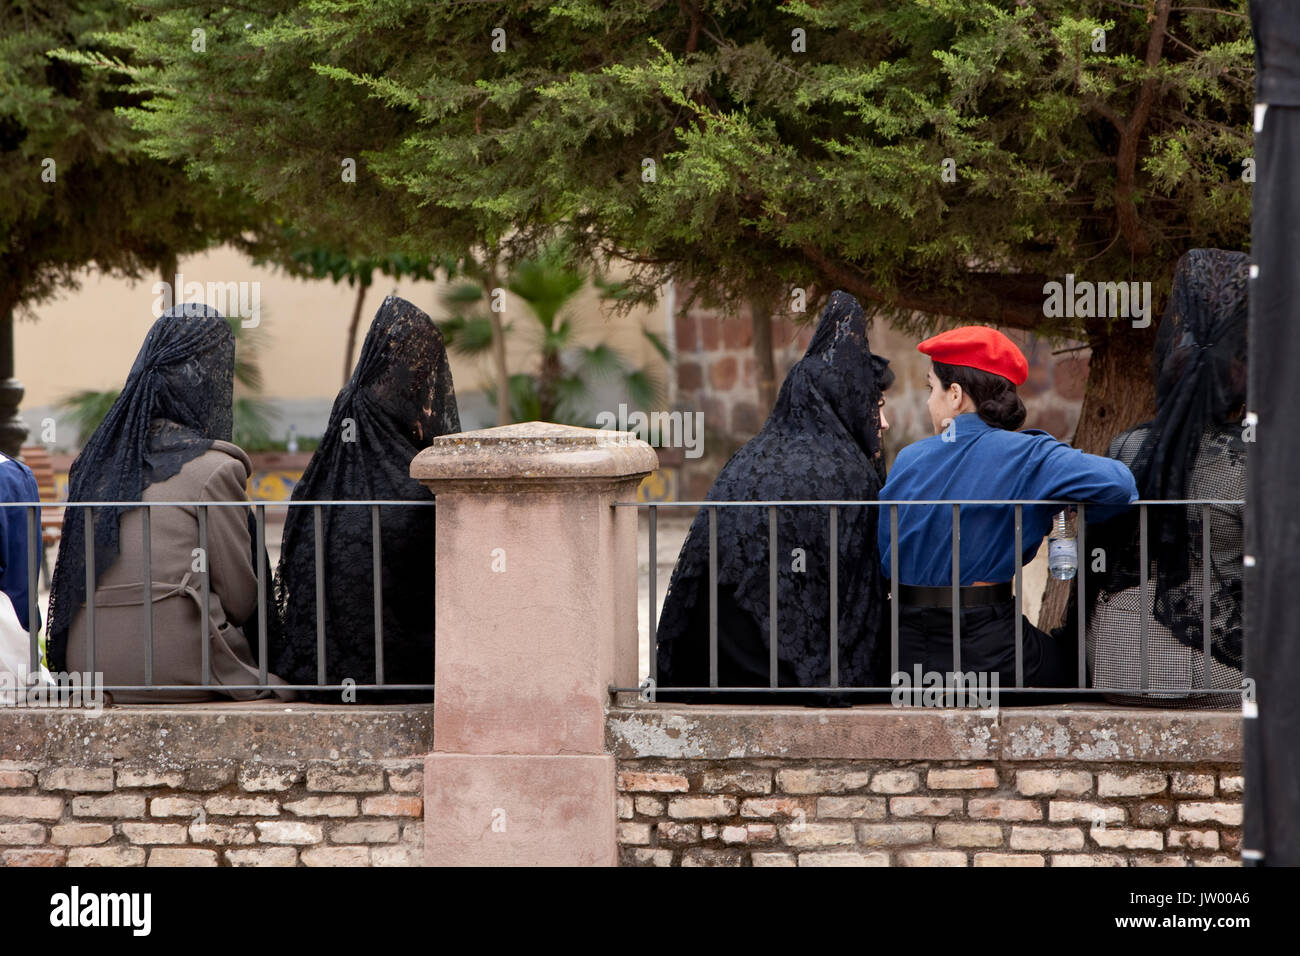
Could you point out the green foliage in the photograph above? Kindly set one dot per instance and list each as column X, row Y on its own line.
column 773, row 169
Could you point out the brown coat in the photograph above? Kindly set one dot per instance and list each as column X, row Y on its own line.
column 219, row 474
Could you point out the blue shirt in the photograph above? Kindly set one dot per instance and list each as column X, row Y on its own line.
column 984, row 462
column 17, row 483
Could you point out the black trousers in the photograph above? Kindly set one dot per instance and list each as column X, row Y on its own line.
column 988, row 645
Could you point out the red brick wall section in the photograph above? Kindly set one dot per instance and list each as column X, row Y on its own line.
column 886, row 813
column 226, row 813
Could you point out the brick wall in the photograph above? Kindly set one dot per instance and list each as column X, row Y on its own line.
column 879, row 786
column 887, row 813
column 161, row 787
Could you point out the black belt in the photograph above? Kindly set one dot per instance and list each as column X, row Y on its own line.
column 973, row 595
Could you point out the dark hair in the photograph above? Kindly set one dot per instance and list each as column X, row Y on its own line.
column 995, row 397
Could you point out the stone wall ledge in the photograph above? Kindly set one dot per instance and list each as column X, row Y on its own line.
column 175, row 735
column 1082, row 732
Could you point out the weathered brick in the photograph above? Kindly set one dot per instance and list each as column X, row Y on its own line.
column 156, row 832
column 1115, row 839
column 106, row 856
column 181, row 856
column 844, row 858
column 709, row 831
column 702, row 856
column 1046, row 838
column 1152, row 814
column 323, row 807
column 1066, row 811
column 21, row 834
column 393, row 805
column 734, row 835
column 1234, row 783
column 815, row 780
column 625, row 807
column 931, row 858
column 285, row 831
column 773, row 807
column 760, row 833
column 772, row 859
column 241, row 807
column 406, row 781
column 1231, row 839
column 80, row 779
column 736, row 781
column 1142, row 783
column 924, row 806
column 894, row 834
column 634, row 834
column 653, row 782
column 16, row 779
column 336, row 856
column 223, row 834
column 895, row 781
column 384, row 832
column 640, row 856
column 119, row 805
column 997, row 808
column 860, row 808
column 1218, row 861
column 395, row 856
column 332, row 778
column 678, row 832
column 31, row 808
column 1010, row 859
column 81, row 834
column 968, row 834
column 1159, row 861
column 648, row 806
column 693, row 808
column 1194, row 839
column 133, row 777
column 1228, row 814
column 1045, row 783
column 43, row 856
column 966, row 778
column 1087, row 859
column 256, row 778
column 817, row 834
column 413, row 833
column 1192, row 784
column 263, row 856
column 210, row 775
column 173, row 807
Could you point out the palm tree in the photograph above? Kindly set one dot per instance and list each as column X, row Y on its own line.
column 566, row 370
column 253, row 416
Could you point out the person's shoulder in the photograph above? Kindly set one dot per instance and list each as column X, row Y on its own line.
column 224, row 458
column 15, row 473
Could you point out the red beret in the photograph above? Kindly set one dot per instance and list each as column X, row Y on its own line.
column 978, row 346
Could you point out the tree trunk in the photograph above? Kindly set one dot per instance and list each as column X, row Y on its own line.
column 13, row 431
column 1119, row 395
column 760, row 310
column 352, row 332
column 498, row 349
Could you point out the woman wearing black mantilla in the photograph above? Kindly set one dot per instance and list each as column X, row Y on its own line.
column 821, row 442
column 400, row 397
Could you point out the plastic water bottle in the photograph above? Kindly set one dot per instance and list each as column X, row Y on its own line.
column 291, row 446
column 1062, row 551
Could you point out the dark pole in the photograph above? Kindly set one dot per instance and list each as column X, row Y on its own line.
column 13, row 431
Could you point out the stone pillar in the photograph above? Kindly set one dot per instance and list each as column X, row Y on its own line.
column 535, row 620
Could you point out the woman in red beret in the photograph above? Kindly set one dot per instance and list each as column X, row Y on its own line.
column 977, row 453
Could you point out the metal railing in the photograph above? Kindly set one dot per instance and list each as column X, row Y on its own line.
column 833, row 508
column 35, row 550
